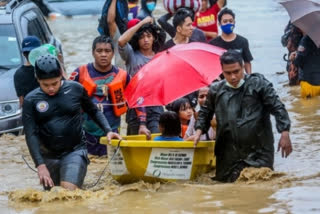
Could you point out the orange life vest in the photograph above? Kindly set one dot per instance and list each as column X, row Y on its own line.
column 116, row 88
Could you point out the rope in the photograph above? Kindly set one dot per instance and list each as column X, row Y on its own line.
column 112, row 104
column 28, row 164
column 102, row 173
column 105, row 168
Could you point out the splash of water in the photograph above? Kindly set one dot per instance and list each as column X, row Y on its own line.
column 60, row 194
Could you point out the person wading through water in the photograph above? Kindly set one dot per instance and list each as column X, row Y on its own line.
column 137, row 46
column 242, row 105
column 101, row 79
column 52, row 122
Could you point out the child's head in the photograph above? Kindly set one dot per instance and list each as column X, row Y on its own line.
column 183, row 109
column 202, row 95
column 169, row 124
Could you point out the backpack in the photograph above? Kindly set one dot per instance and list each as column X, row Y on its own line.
column 121, row 17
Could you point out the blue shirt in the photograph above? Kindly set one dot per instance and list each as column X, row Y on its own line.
column 163, row 138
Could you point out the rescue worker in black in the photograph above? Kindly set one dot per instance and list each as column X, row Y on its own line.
column 242, row 105
column 53, row 126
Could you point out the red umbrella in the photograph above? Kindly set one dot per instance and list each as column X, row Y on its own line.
column 174, row 73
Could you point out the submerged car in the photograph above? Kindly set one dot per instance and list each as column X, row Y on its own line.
column 76, row 7
column 18, row 19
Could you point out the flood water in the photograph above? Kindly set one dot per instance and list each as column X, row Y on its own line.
column 294, row 187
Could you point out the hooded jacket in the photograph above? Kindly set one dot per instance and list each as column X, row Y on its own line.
column 244, row 131
column 144, row 12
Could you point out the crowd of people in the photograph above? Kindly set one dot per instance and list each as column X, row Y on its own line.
column 65, row 117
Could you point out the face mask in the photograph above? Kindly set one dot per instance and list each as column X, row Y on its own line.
column 228, row 28
column 235, row 87
column 130, row 16
column 151, row 6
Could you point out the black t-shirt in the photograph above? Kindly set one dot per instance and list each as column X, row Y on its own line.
column 24, row 80
column 240, row 44
column 170, row 44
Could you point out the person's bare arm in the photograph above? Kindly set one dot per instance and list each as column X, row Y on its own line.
column 111, row 18
column 126, row 36
column 247, row 67
column 212, row 35
column 221, row 3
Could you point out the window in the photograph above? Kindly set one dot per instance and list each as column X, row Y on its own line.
column 10, row 56
column 34, row 27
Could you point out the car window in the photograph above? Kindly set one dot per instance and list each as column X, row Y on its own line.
column 10, row 53
column 46, row 29
column 35, row 29
column 34, row 26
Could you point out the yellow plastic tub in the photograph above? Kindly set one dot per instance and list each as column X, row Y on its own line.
column 152, row 161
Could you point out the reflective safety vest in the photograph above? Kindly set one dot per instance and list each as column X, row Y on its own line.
column 116, row 88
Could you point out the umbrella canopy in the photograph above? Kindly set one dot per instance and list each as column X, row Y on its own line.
column 173, row 73
column 305, row 14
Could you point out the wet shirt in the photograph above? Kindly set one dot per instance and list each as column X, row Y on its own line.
column 101, row 98
column 239, row 44
column 207, row 21
column 53, row 124
column 25, row 80
column 134, row 59
column 170, row 43
column 244, row 130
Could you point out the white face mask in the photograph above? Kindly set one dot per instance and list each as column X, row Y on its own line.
column 235, row 87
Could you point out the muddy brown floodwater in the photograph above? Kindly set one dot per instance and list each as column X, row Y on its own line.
column 294, row 186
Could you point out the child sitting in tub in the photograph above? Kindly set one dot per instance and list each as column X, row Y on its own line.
column 182, row 107
column 169, row 126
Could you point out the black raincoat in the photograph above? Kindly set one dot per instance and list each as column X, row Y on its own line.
column 244, row 131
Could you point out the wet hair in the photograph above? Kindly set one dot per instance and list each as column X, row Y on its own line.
column 180, row 17
column 170, row 123
column 225, row 11
column 230, row 57
column 102, row 39
column 178, row 105
column 158, row 34
column 26, row 54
